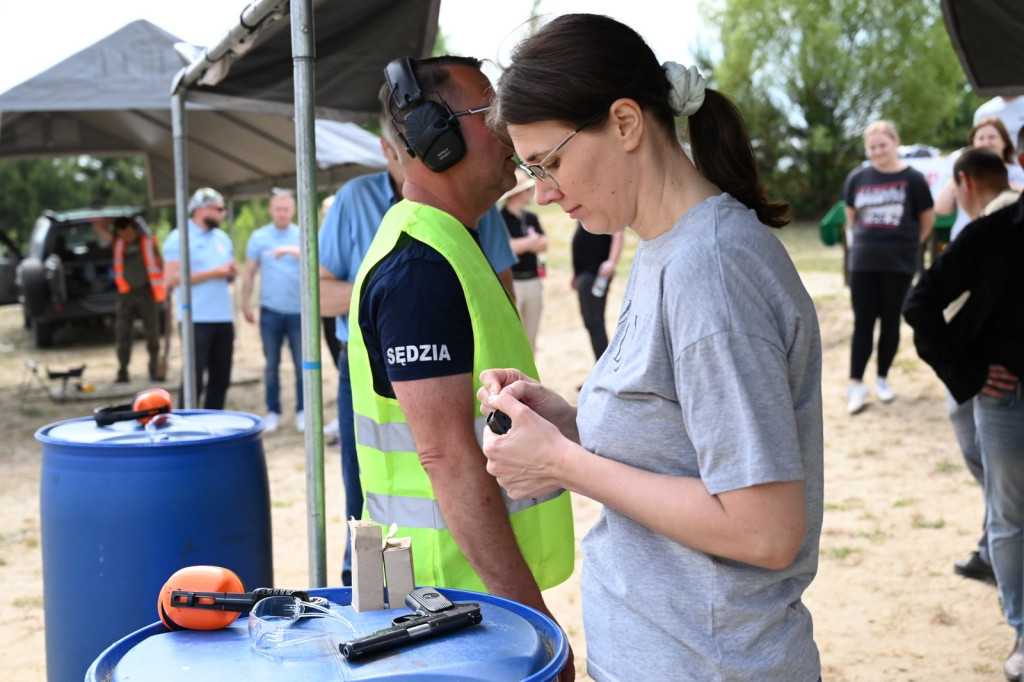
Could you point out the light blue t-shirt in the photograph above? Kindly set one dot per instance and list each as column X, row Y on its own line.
column 355, row 215
column 211, row 300
column 280, row 276
column 714, row 373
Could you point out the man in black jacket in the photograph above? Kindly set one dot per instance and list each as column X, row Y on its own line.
column 978, row 352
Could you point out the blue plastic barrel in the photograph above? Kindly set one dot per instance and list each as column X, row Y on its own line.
column 120, row 512
column 512, row 643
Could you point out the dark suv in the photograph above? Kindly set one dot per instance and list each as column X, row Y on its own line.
column 68, row 274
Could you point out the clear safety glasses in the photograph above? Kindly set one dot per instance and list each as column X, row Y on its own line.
column 288, row 627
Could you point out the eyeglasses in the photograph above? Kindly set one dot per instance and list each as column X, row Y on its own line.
column 467, row 112
column 219, row 209
column 539, row 171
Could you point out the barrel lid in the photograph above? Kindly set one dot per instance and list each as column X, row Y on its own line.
column 177, row 427
column 512, row 642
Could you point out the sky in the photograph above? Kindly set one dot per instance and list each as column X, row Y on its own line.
column 37, row 34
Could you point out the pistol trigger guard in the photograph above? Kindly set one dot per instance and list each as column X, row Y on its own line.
column 405, row 619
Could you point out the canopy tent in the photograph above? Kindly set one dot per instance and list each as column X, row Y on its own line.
column 330, row 64
column 251, row 68
column 113, row 98
column 987, row 36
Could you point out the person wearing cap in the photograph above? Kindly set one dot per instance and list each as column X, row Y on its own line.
column 212, row 259
column 139, row 277
column 273, row 251
column 528, row 242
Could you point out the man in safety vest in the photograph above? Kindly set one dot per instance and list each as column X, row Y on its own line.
column 139, row 277
column 432, row 315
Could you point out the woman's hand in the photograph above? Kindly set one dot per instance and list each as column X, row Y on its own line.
column 531, row 393
column 525, row 459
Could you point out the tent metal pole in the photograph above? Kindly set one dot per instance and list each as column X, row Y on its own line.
column 179, row 127
column 303, row 55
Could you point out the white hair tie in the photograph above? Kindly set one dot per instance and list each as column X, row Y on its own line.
column 686, row 88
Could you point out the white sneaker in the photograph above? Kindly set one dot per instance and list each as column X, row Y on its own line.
column 272, row 421
column 332, row 429
column 883, row 390
column 300, row 421
column 856, row 398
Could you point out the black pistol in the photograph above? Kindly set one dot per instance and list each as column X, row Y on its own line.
column 433, row 615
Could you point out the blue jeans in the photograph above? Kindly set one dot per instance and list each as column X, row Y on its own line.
column 1000, row 424
column 274, row 328
column 961, row 416
column 349, row 460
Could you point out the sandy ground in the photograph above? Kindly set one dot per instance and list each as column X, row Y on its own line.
column 900, row 505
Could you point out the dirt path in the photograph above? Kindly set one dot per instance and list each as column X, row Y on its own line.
column 900, row 506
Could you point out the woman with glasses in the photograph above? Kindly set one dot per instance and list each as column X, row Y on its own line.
column 700, row 428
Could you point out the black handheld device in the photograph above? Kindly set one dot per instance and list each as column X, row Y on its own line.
column 433, row 614
column 499, row 422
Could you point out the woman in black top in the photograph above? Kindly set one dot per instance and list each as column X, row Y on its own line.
column 889, row 215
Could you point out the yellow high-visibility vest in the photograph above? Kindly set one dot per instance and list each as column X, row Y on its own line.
column 396, row 487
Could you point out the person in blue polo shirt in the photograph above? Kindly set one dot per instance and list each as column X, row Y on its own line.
column 212, row 260
column 273, row 251
column 345, row 236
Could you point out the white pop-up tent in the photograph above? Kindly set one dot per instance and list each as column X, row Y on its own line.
column 113, row 98
column 329, row 64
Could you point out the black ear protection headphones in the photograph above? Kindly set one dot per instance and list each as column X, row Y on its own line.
column 431, row 130
column 147, row 404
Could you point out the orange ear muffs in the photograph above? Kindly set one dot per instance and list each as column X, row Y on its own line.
column 198, row 579
column 147, row 404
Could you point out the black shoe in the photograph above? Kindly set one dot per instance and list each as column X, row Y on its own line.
column 975, row 568
column 122, row 376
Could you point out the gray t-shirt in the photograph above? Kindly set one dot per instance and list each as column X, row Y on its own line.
column 714, row 372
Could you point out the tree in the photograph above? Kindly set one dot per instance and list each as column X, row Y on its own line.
column 32, row 186
column 811, row 74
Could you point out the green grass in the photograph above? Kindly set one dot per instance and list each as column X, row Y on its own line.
column 875, row 537
column 921, row 522
column 839, row 553
column 803, row 242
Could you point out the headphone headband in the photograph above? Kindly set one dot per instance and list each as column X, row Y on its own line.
column 146, row 405
column 401, row 79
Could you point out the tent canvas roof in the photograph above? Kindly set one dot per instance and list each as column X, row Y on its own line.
column 354, row 39
column 988, row 36
column 114, row 98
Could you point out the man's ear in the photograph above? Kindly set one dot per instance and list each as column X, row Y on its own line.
column 388, row 149
column 628, row 118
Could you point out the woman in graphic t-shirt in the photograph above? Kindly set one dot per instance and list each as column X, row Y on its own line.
column 889, row 215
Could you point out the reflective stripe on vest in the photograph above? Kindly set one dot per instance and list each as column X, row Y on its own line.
column 396, row 487
column 153, row 271
column 397, row 436
column 420, row 512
